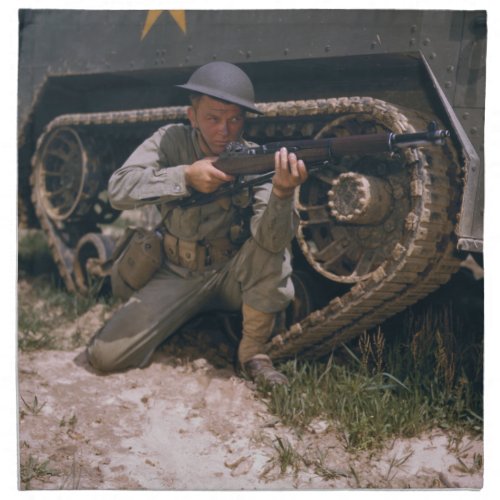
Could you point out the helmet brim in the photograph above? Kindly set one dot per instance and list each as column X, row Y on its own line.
column 200, row 89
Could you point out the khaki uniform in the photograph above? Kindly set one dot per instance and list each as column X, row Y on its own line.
column 257, row 273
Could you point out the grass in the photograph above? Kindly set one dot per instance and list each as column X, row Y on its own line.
column 287, row 459
column 52, row 306
column 46, row 304
column 427, row 375
column 32, row 469
column 33, row 408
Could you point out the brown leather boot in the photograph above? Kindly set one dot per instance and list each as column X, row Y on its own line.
column 257, row 329
column 260, row 367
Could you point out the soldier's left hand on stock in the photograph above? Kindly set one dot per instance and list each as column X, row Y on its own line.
column 290, row 172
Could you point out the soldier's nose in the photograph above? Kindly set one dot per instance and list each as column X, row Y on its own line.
column 224, row 130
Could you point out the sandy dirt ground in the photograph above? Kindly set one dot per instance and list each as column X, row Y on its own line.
column 187, row 422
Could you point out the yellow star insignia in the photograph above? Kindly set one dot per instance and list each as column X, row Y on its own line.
column 179, row 16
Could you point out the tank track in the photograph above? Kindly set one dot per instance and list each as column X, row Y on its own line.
column 423, row 261
column 418, row 264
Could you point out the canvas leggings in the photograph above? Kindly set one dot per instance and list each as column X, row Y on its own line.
column 254, row 276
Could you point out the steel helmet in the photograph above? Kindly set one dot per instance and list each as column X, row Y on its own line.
column 223, row 81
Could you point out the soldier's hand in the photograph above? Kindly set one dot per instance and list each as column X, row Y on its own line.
column 289, row 173
column 204, row 177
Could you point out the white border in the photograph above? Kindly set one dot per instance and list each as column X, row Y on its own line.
column 8, row 194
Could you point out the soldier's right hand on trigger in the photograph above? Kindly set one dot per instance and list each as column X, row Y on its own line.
column 203, row 176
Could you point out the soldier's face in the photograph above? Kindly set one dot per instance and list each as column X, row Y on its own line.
column 218, row 122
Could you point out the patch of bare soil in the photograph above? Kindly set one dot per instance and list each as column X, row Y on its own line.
column 188, row 422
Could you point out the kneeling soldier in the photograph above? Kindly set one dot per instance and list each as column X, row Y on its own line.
column 230, row 254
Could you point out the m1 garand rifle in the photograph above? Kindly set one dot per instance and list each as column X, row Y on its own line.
column 258, row 162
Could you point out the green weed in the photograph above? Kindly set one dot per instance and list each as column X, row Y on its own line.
column 32, row 468
column 33, row 408
column 286, row 456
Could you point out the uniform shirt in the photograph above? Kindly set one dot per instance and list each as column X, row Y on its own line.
column 155, row 174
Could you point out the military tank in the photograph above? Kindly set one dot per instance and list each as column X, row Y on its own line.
column 377, row 232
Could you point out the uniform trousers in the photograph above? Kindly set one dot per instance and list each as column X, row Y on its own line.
column 254, row 276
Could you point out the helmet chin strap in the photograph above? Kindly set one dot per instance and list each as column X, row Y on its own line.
column 203, row 142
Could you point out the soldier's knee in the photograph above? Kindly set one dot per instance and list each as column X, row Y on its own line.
column 102, row 356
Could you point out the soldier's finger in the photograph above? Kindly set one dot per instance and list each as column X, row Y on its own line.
column 220, row 175
column 302, row 170
column 284, row 159
column 292, row 162
column 277, row 161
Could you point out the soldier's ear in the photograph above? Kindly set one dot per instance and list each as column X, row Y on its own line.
column 192, row 117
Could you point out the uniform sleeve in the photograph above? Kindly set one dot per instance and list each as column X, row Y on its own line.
column 275, row 221
column 143, row 180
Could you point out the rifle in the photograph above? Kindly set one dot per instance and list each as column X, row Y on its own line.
column 240, row 160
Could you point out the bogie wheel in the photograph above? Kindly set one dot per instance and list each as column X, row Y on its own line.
column 61, row 173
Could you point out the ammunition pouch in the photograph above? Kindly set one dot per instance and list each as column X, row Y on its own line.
column 198, row 255
column 137, row 256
